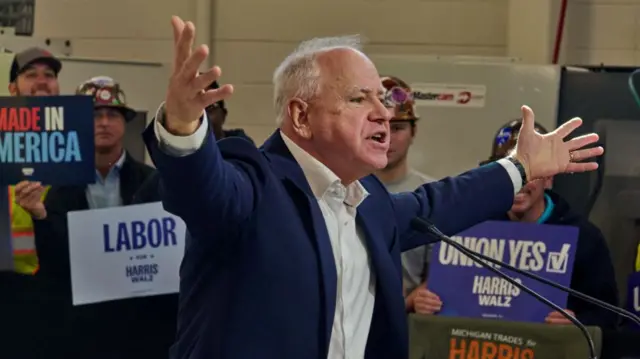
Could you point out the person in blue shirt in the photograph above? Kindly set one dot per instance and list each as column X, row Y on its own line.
column 593, row 272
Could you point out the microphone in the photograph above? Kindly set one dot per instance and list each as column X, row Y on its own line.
column 424, row 226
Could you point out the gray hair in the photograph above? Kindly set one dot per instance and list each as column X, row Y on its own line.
column 298, row 75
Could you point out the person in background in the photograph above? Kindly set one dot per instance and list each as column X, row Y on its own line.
column 34, row 72
column 593, row 272
column 217, row 115
column 103, row 330
column 398, row 177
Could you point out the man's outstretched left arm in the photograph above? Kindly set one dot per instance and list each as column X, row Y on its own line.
column 454, row 204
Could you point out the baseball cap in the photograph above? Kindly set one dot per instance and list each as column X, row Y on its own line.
column 506, row 138
column 399, row 96
column 22, row 60
column 106, row 92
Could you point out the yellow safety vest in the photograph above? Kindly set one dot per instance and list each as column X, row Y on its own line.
column 24, row 248
column 638, row 260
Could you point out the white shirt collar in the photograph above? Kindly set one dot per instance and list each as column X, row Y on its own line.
column 321, row 179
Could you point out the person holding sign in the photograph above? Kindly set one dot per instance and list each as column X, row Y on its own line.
column 593, row 272
column 295, row 247
column 34, row 72
column 117, row 177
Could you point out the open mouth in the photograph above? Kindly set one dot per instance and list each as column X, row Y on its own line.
column 380, row 137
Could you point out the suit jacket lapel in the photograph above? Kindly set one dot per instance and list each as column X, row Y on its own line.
column 285, row 166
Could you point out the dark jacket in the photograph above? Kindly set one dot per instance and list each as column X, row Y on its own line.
column 101, row 330
column 150, row 190
column 593, row 272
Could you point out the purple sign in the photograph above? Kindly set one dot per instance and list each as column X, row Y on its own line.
column 633, row 297
column 469, row 290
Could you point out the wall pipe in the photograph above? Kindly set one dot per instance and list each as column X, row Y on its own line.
column 559, row 31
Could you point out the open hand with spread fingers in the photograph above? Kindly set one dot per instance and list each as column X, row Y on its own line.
column 547, row 155
column 187, row 95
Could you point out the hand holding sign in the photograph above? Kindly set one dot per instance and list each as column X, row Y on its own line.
column 546, row 250
column 29, row 197
column 46, row 139
column 425, row 301
column 187, row 95
column 547, row 155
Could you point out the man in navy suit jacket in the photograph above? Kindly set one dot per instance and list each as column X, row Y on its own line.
column 295, row 249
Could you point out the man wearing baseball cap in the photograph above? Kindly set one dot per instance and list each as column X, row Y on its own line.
column 398, row 176
column 593, row 272
column 33, row 72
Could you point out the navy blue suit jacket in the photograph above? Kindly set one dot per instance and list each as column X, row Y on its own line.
column 258, row 279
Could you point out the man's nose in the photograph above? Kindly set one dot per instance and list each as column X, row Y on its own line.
column 101, row 120
column 380, row 113
column 42, row 79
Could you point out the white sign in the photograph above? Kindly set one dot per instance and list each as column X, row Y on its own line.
column 449, row 95
column 124, row 252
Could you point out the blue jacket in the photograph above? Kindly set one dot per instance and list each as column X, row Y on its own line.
column 258, row 279
column 149, row 191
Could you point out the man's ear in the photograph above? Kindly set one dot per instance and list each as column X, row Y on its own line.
column 13, row 89
column 299, row 115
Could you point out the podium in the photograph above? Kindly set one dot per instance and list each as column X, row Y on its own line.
column 432, row 336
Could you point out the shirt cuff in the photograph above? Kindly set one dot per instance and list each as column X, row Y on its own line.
column 180, row 146
column 513, row 172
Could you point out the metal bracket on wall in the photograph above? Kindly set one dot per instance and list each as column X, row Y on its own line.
column 10, row 42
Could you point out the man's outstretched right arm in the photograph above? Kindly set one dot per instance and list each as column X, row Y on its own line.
column 208, row 192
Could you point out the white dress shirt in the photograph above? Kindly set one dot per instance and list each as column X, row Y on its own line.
column 355, row 294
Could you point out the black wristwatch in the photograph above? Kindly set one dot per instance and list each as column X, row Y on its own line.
column 520, row 167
